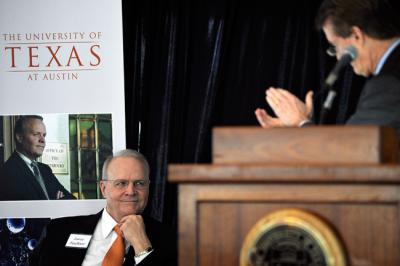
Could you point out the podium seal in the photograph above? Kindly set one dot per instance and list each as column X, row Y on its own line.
column 292, row 237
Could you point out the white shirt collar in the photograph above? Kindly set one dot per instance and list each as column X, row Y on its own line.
column 26, row 159
column 385, row 56
column 107, row 223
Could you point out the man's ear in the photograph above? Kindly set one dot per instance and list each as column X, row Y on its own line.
column 103, row 188
column 18, row 138
column 358, row 35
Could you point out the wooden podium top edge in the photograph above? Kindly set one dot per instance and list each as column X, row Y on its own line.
column 316, row 127
column 363, row 173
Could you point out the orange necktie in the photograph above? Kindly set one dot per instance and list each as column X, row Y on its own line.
column 115, row 255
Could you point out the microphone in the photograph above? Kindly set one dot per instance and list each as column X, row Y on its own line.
column 348, row 55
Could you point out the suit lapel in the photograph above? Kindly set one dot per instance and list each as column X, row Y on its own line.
column 27, row 177
column 87, row 227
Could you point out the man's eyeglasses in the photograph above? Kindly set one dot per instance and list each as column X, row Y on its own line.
column 122, row 184
column 331, row 51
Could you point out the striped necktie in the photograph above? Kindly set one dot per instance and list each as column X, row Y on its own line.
column 39, row 177
column 115, row 255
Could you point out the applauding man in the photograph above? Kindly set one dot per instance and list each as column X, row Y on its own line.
column 372, row 29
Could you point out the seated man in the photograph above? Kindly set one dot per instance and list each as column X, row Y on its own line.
column 21, row 176
column 372, row 27
column 119, row 234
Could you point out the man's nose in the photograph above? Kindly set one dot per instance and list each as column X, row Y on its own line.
column 131, row 190
column 42, row 138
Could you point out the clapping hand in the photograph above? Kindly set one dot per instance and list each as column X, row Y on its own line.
column 289, row 109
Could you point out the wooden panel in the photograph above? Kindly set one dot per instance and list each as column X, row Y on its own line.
column 322, row 144
column 218, row 234
column 214, row 219
column 372, row 238
column 187, row 238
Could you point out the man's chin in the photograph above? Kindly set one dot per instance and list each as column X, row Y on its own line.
column 130, row 202
column 38, row 153
column 131, row 209
column 359, row 72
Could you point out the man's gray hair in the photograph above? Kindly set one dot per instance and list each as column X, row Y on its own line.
column 131, row 154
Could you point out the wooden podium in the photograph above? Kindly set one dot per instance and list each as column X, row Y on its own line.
column 348, row 177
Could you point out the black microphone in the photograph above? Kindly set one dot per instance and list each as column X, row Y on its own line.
column 348, row 55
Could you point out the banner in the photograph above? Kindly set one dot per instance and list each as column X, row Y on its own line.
column 62, row 60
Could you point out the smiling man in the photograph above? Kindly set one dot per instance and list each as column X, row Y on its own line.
column 372, row 27
column 21, row 176
column 118, row 235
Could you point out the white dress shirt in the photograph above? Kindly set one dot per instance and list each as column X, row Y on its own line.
column 101, row 241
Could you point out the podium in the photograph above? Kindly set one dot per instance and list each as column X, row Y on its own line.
column 346, row 178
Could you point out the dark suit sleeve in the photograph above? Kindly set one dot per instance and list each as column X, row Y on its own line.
column 8, row 187
column 379, row 103
column 160, row 257
column 164, row 244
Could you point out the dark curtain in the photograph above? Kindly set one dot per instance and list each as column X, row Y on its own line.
column 197, row 64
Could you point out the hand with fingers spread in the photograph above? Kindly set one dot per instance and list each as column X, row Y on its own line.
column 289, row 109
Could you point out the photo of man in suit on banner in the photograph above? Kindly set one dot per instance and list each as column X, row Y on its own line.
column 22, row 176
column 53, row 156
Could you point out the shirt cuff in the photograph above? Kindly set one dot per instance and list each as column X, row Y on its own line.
column 138, row 259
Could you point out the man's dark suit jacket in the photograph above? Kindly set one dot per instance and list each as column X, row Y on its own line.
column 379, row 102
column 17, row 181
column 52, row 251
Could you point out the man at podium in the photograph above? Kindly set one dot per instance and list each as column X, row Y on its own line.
column 367, row 34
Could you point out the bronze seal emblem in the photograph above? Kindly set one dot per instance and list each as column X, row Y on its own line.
column 292, row 237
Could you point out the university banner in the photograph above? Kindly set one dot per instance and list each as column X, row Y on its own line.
column 62, row 60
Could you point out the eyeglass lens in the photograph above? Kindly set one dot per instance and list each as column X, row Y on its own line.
column 331, row 51
column 123, row 183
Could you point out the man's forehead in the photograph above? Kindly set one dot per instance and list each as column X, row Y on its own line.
column 126, row 166
column 35, row 124
column 331, row 37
